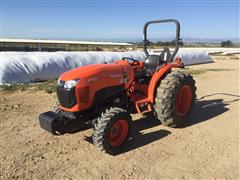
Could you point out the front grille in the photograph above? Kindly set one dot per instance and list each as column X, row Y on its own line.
column 66, row 97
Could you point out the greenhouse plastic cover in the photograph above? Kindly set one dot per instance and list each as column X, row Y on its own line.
column 21, row 67
column 191, row 57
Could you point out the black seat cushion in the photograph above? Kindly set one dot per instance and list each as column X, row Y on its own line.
column 151, row 64
column 153, row 61
column 166, row 54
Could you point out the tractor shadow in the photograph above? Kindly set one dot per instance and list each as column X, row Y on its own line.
column 205, row 110
column 202, row 111
column 139, row 138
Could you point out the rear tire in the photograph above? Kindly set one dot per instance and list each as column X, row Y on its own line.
column 111, row 130
column 174, row 99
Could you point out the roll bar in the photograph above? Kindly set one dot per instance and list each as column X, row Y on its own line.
column 177, row 40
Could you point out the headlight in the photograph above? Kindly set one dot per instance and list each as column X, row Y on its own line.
column 71, row 83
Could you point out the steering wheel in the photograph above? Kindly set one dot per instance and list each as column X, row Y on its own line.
column 134, row 61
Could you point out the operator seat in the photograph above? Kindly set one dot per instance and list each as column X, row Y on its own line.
column 153, row 61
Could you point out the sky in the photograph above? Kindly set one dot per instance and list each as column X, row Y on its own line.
column 116, row 20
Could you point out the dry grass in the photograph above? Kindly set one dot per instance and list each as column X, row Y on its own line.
column 48, row 86
column 203, row 71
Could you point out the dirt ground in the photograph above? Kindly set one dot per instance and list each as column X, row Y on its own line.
column 208, row 147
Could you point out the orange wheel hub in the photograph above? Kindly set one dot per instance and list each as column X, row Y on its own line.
column 118, row 133
column 183, row 100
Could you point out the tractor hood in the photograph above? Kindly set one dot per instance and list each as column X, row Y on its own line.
column 92, row 71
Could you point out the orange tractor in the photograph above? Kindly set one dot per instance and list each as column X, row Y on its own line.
column 106, row 94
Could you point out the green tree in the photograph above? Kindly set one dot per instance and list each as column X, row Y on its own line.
column 227, row 43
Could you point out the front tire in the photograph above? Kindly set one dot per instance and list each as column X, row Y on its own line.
column 174, row 99
column 111, row 130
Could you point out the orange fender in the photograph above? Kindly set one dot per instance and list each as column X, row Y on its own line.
column 155, row 79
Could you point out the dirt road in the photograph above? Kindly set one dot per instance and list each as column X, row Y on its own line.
column 208, row 147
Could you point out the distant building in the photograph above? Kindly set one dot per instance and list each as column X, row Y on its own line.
column 58, row 45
